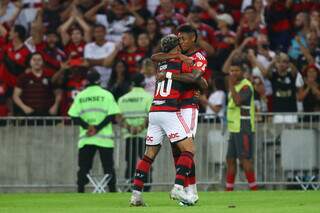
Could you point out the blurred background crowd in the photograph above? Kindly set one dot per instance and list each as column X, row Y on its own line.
column 46, row 47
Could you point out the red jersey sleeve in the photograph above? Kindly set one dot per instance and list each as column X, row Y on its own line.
column 199, row 62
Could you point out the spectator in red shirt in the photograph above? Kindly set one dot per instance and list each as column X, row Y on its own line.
column 52, row 54
column 3, row 41
column 34, row 94
column 4, row 97
column 15, row 54
column 180, row 6
column 114, row 15
column 131, row 54
column 250, row 26
column 206, row 38
column 277, row 16
column 71, row 78
column 225, row 40
column 169, row 19
column 298, row 6
column 74, row 37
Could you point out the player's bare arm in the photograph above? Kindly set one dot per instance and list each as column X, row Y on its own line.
column 239, row 97
column 159, row 57
column 193, row 78
column 235, row 96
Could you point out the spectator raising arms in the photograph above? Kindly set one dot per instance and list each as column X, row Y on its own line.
column 46, row 45
column 15, row 54
column 285, row 85
column 117, row 20
column 9, row 11
column 34, row 94
column 169, row 20
column 101, row 54
column 310, row 94
column 75, row 37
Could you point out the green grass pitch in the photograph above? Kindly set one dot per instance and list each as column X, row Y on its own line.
column 242, row 201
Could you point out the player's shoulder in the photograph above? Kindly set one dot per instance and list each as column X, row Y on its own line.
column 199, row 56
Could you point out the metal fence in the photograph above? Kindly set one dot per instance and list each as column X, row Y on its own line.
column 40, row 154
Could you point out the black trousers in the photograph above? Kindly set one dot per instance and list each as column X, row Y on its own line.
column 85, row 161
column 135, row 147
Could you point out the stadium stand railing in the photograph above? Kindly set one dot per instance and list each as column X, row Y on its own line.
column 40, row 154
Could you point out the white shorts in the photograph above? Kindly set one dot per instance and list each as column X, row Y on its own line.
column 170, row 124
column 190, row 115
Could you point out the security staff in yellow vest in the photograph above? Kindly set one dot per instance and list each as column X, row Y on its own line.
column 135, row 106
column 94, row 109
column 240, row 118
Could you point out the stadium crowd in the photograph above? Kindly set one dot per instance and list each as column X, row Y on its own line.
column 46, row 47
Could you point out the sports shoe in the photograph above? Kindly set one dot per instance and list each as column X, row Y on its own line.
column 179, row 194
column 192, row 192
column 136, row 199
column 194, row 198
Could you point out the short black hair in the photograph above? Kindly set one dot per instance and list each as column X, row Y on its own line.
column 76, row 28
column 132, row 33
column 122, row 2
column 93, row 76
column 95, row 26
column 21, row 31
column 250, row 7
column 239, row 62
column 29, row 57
column 187, row 28
column 138, row 80
column 52, row 31
column 169, row 42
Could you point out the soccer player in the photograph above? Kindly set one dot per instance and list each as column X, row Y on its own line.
column 195, row 64
column 240, row 117
column 165, row 120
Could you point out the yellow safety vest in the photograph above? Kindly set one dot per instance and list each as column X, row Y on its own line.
column 234, row 111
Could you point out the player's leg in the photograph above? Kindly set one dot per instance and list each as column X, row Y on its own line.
column 179, row 133
column 85, row 160
column 231, row 163
column 141, row 148
column 106, row 157
column 141, row 174
column 143, row 167
column 245, row 147
column 154, row 138
column 190, row 115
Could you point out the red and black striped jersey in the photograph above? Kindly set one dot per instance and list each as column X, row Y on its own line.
column 187, row 98
column 73, row 84
column 73, row 50
column 167, row 93
column 132, row 59
column 13, row 63
column 4, row 95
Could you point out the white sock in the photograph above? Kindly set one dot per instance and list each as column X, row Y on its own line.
column 193, row 188
column 136, row 192
column 178, row 186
